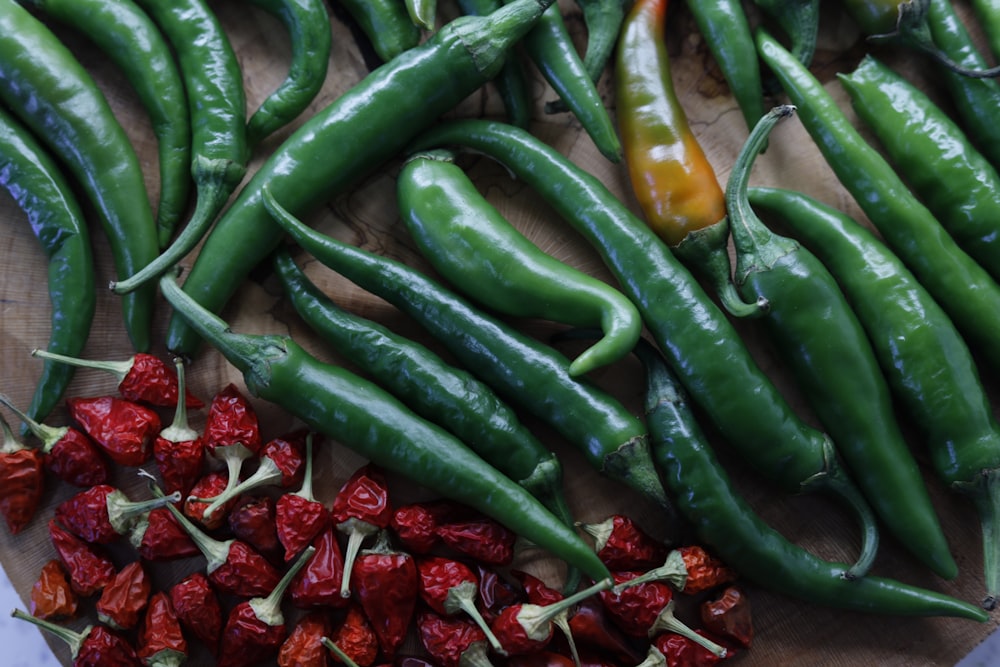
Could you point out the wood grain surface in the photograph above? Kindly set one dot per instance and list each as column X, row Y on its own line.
column 788, row 632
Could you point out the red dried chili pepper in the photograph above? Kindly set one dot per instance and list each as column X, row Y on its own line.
column 178, row 450
column 623, row 545
column 449, row 586
column 704, row 570
column 495, row 592
column 415, row 524
column 543, row 659
column 232, row 431
column 482, row 539
column 102, row 513
column 125, row 598
column 644, row 608
column 255, row 629
column 52, row 597
column 542, row 595
column 387, row 586
column 281, row 463
column 526, row 628
column 94, row 646
column 205, row 489
column 198, row 609
column 158, row 537
column 88, row 567
column 354, row 640
column 22, row 480
column 673, row 650
column 592, row 628
column 161, row 641
column 452, row 641
column 252, row 520
column 125, row 430
column 299, row 516
column 304, row 646
column 143, row 378
column 729, row 616
column 360, row 508
column 318, row 584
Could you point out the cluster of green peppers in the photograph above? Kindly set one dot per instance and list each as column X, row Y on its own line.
column 901, row 321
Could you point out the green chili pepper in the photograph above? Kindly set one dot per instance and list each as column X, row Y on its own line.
column 960, row 186
column 551, row 48
column 925, row 360
column 726, row 29
column 818, row 335
column 603, row 20
column 703, row 347
column 962, row 287
column 799, row 19
column 433, row 388
column 350, row 138
column 423, row 13
column 308, row 26
column 988, row 13
column 358, row 414
column 387, row 25
column 470, row 244
column 217, row 107
column 907, row 23
column 727, row 523
column 44, row 85
column 126, row 35
column 35, row 182
column 523, row 371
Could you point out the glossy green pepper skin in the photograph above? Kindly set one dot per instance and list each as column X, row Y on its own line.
column 469, row 242
column 386, row 24
column 821, row 340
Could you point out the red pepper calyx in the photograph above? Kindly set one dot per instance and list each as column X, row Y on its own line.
column 268, row 609
column 666, row 621
column 673, row 571
column 73, row 639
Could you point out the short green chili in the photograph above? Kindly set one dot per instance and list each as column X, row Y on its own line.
column 701, row 343
column 35, row 182
column 925, row 360
column 369, row 421
column 308, row 26
column 821, row 340
column 737, row 534
column 367, row 125
column 523, row 371
column 436, row 390
column 961, row 286
column 127, row 36
column 386, row 24
column 46, row 87
column 470, row 244
column 217, row 107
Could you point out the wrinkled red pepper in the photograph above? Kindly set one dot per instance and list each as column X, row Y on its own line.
column 22, row 480
column 125, row 430
column 198, row 608
column 94, row 646
column 482, row 539
column 208, row 487
column 542, row 659
column 452, row 641
column 705, row 571
column 592, row 629
column 623, row 545
column 415, row 524
column 178, row 450
column 52, row 597
column 252, row 521
column 161, row 641
column 318, row 584
column 299, row 516
column 89, row 568
column 103, row 513
column 232, row 431
column 386, row 584
column 360, row 508
column 124, row 599
column 495, row 592
column 729, row 616
column 304, row 646
column 353, row 638
column 449, row 586
column 255, row 629
column 678, row 651
column 158, row 537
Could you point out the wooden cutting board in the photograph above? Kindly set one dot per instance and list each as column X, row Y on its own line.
column 788, row 632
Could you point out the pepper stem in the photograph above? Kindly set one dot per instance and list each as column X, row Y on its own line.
column 179, row 430
column 985, row 493
column 306, row 490
column 215, row 551
column 266, row 473
column 338, row 652
column 673, row 571
column 49, row 435
column 117, row 368
column 535, row 618
column 462, row 597
column 654, row 658
column 73, row 639
column 268, row 609
column 123, row 513
column 667, row 621
column 357, row 531
column 11, row 443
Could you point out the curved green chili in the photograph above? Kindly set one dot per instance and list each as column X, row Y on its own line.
column 820, row 338
column 603, row 20
column 523, row 371
column 368, row 420
column 423, row 13
column 129, row 38
column 702, row 345
column 933, row 154
column 962, row 287
column 799, row 19
column 367, row 125
column 925, row 360
column 44, row 85
column 387, row 25
column 727, row 33
column 217, row 106
column 308, row 26
column 470, row 244
column 725, row 521
column 436, row 390
column 988, row 13
column 35, row 182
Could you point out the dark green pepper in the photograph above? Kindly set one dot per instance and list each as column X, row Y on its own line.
column 799, row 19
column 387, row 25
